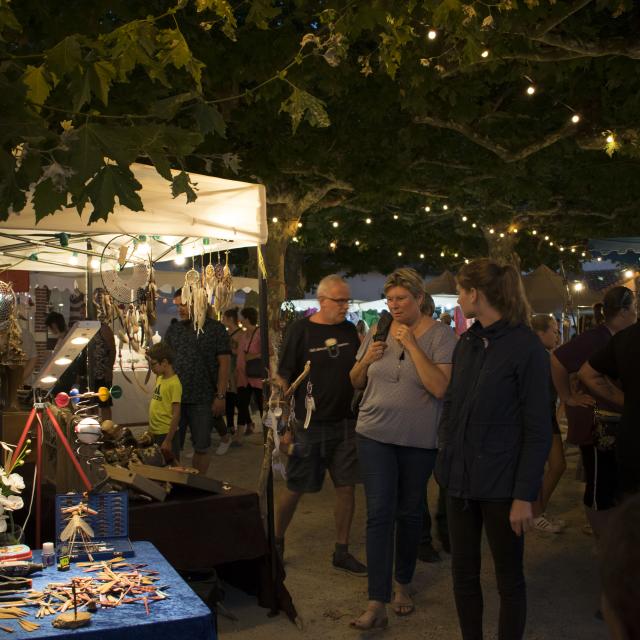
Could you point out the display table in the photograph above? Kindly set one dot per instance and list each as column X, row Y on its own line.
column 182, row 615
column 197, row 531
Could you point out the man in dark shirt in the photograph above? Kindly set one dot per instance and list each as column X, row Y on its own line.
column 202, row 363
column 600, row 491
column 330, row 342
column 620, row 361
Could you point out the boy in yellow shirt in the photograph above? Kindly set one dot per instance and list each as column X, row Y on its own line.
column 164, row 409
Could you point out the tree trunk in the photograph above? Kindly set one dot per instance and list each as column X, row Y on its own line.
column 503, row 249
column 280, row 234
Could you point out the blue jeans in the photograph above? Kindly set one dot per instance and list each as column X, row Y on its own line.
column 395, row 482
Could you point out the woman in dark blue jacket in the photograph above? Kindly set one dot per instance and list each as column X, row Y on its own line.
column 495, row 435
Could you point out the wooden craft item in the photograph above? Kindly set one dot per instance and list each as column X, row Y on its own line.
column 177, row 476
column 136, row 481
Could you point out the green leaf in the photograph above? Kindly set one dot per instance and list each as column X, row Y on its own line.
column 48, row 199
column 8, row 20
column 301, row 104
column 65, row 56
column 209, row 119
column 223, row 9
column 111, row 182
column 85, row 155
column 182, row 184
column 102, row 74
column 80, row 88
column 261, row 13
column 168, row 107
column 38, row 87
column 117, row 142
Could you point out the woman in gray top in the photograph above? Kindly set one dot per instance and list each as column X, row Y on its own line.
column 405, row 375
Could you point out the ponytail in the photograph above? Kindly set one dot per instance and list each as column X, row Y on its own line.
column 502, row 287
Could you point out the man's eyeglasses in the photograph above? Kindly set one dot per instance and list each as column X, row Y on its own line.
column 338, row 300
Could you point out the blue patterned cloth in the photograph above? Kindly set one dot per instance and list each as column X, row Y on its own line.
column 182, row 615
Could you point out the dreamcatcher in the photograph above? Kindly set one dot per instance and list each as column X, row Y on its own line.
column 194, row 295
column 222, row 286
column 11, row 352
column 129, row 295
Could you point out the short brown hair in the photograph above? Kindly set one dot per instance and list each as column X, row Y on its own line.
column 161, row 351
column 501, row 285
column 412, row 281
column 615, row 300
column 541, row 322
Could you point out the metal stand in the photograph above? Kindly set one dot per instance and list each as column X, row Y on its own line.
column 38, row 412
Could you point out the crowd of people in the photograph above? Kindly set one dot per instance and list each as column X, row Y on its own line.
column 479, row 411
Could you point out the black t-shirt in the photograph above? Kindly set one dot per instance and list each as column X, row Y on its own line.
column 330, row 366
column 620, row 360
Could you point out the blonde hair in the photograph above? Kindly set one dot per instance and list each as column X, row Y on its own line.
column 412, row 281
column 502, row 287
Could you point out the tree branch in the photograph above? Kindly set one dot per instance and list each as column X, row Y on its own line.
column 502, row 152
column 589, row 49
column 553, row 21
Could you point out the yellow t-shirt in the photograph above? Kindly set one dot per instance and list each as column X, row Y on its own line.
column 166, row 392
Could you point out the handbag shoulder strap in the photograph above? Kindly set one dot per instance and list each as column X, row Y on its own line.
column 250, row 340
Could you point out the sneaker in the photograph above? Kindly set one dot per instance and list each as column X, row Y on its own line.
column 427, row 553
column 544, row 525
column 557, row 521
column 347, row 563
column 223, row 447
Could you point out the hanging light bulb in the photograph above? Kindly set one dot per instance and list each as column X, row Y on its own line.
column 299, row 225
column 628, row 274
column 610, row 138
column 561, row 249
column 422, row 256
column 531, row 90
column 546, row 237
column 357, row 243
column 274, row 220
column 445, row 207
column 502, row 235
column 399, row 254
column 584, row 254
column 573, row 249
column 295, row 238
column 427, row 208
column 466, row 260
column 95, row 263
column 578, row 286
column 551, row 243
column 492, row 231
column 474, row 225
column 332, row 245
column 599, row 259
column 575, row 118
column 179, row 258
column 368, row 220
column 334, row 224
column 464, row 218
column 455, row 255
column 395, row 216
column 534, row 233
column 432, row 34
column 485, row 53
column 442, row 254
column 73, row 260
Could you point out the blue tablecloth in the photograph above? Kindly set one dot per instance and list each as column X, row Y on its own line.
column 182, row 615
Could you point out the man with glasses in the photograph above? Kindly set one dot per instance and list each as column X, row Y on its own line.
column 330, row 342
column 202, row 362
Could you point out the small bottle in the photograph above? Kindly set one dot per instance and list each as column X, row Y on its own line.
column 48, row 554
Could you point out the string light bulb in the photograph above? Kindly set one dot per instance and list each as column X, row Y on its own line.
column 295, row 239
column 573, row 249
column 274, row 220
column 427, row 208
column 502, row 235
column 332, row 245
column 485, row 53
column 422, row 256
column 95, row 263
column 299, row 225
column 335, row 224
column 492, row 231
column 531, row 90
column 551, row 243
column 628, row 274
column 474, row 225
column 546, row 237
column 445, row 207
column 464, row 218
column 179, row 258
column 357, row 243
column 575, row 118
column 395, row 216
column 534, row 233
column 399, row 254
column 368, row 221
column 584, row 254
column 578, row 286
column 599, row 259
column 432, row 34
column 611, row 138
column 442, row 254
column 73, row 260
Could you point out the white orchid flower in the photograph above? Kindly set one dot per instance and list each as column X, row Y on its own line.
column 11, row 503
column 14, row 481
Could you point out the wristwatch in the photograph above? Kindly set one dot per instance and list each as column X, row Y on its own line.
column 220, row 396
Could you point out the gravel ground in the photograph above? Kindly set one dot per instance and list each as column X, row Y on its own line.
column 560, row 569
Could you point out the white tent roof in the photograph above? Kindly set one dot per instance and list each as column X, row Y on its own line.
column 227, row 213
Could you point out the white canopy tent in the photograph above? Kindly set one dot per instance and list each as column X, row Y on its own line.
column 226, row 215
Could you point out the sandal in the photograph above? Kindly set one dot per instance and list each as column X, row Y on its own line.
column 403, row 607
column 370, row 619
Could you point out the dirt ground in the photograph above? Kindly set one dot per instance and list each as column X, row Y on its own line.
column 561, row 573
